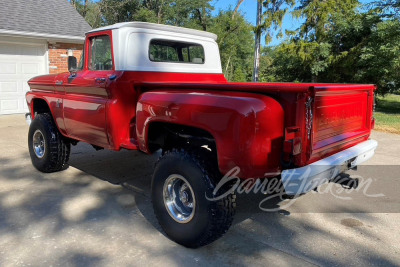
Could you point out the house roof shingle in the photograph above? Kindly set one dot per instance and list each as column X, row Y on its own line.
column 53, row 17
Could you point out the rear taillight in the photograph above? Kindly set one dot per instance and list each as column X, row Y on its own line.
column 373, row 113
column 374, row 107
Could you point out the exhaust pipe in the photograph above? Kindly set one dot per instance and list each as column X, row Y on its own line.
column 346, row 181
column 28, row 118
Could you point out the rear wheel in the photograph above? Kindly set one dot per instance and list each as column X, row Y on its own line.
column 181, row 182
column 48, row 149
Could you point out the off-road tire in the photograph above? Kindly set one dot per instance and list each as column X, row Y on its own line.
column 57, row 148
column 212, row 218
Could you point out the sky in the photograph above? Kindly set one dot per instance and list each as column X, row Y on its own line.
column 249, row 8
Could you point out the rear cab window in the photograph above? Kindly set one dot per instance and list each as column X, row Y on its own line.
column 176, row 52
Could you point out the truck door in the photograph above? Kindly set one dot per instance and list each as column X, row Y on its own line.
column 87, row 93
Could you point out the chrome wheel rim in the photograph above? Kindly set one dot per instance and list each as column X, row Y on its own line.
column 39, row 145
column 179, row 199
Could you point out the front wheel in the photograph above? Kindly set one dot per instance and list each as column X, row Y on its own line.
column 48, row 149
column 180, row 184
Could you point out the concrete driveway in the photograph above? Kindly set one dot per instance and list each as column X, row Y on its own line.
column 98, row 212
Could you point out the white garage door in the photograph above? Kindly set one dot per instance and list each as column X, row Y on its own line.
column 18, row 63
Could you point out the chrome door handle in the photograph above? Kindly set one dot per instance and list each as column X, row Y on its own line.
column 100, row 80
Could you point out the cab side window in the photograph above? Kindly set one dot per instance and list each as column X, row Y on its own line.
column 100, row 57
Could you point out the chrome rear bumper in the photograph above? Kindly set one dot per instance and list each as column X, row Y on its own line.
column 302, row 180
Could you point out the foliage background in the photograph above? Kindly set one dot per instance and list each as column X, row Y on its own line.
column 339, row 41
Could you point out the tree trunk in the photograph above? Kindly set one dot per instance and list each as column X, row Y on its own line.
column 202, row 19
column 85, row 8
column 159, row 13
column 257, row 49
column 227, row 64
column 237, row 8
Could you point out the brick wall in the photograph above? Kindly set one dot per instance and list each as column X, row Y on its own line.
column 58, row 56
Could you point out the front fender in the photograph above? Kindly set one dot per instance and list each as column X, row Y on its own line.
column 247, row 128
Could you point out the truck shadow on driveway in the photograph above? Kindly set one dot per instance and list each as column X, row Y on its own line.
column 133, row 170
column 268, row 235
column 71, row 218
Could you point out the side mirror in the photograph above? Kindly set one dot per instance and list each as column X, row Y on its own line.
column 72, row 64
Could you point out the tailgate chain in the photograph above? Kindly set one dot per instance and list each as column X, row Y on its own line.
column 309, row 116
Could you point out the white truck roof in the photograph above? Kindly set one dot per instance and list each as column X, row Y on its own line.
column 158, row 27
column 131, row 42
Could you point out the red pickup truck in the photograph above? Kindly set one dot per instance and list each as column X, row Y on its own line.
column 142, row 86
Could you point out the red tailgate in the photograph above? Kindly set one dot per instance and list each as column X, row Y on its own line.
column 341, row 117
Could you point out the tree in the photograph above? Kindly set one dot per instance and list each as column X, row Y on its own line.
column 387, row 8
column 89, row 10
column 93, row 15
column 318, row 15
column 302, row 61
column 235, row 40
column 114, row 11
column 239, row 3
column 268, row 68
column 198, row 13
column 267, row 22
column 312, row 48
column 356, row 48
column 257, row 46
column 375, row 58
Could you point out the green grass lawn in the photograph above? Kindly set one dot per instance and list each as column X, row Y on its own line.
column 387, row 114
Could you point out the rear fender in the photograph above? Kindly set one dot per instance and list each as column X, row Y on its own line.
column 247, row 128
